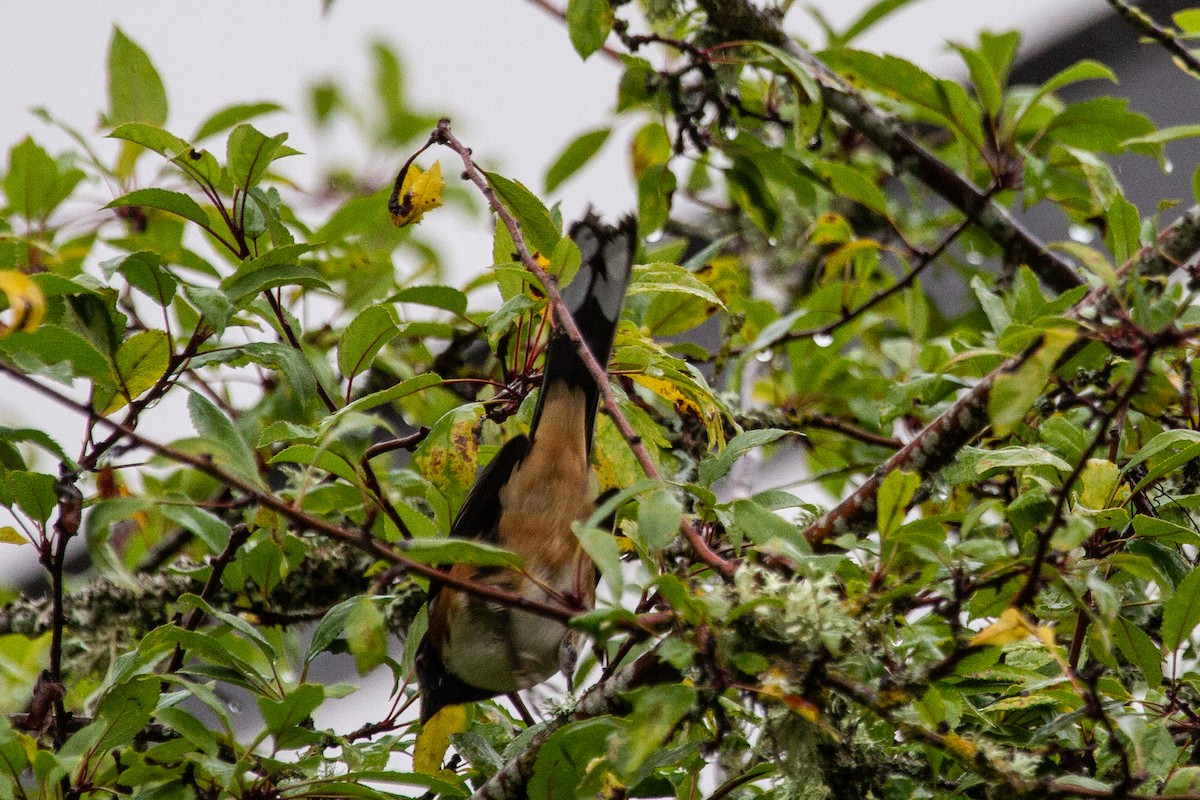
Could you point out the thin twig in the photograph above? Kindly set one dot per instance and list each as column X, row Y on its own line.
column 924, row 259
column 1167, row 37
column 70, row 514
column 237, row 538
column 378, row 495
column 1033, row 582
column 290, row 335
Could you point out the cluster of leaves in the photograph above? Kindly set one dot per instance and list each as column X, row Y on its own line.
column 1014, row 611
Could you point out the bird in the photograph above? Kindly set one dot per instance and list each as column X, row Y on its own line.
column 526, row 499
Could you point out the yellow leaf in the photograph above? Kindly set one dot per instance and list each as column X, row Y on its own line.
column 1045, row 635
column 688, row 402
column 961, row 747
column 24, row 298
column 419, row 192
column 1012, row 626
column 10, row 535
column 434, row 740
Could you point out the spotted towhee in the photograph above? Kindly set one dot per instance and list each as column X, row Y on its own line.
column 525, row 500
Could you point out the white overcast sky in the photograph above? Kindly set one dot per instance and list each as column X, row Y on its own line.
column 503, row 70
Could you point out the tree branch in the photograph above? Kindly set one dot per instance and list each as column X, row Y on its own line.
column 367, row 544
column 941, row 439
column 605, row 697
column 1166, row 37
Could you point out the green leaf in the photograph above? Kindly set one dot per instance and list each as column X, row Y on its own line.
column 895, row 493
column 588, row 24
column 1013, row 393
column 289, row 363
column 747, row 186
column 200, row 165
column 992, row 304
column 1099, row 483
column 874, row 14
column 227, row 443
column 391, row 394
column 366, row 635
column 1138, row 648
column 983, row 78
column 34, row 492
column 329, row 628
column 281, row 716
column 144, row 271
column 174, row 202
column 366, row 334
column 229, row 116
column 191, row 728
column 152, row 137
column 1124, row 229
column 1086, row 70
column 249, row 154
column 141, row 361
column 670, row 279
column 446, row 298
column 1187, row 20
column 763, row 526
column 946, row 100
column 1164, row 530
column 846, row 181
column 1164, row 135
column 135, row 91
column 1181, row 613
column 311, row 455
column 602, row 548
column 248, row 630
column 37, row 437
column 659, row 514
column 1176, row 448
column 536, row 223
column 125, row 710
column 34, row 184
column 576, row 155
column 657, row 710
column 459, row 551
column 242, row 286
column 51, row 344
column 717, row 466
column 1102, row 124
column 208, row 527
column 212, row 304
column 565, row 757
column 1007, row 458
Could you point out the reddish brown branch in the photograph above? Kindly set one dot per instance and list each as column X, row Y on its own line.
column 937, row 444
column 237, row 538
column 929, row 451
column 739, row 19
column 367, row 544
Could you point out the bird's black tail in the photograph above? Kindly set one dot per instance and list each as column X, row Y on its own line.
column 594, row 298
